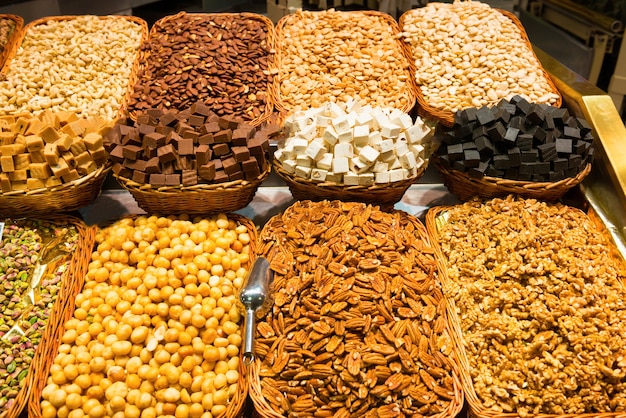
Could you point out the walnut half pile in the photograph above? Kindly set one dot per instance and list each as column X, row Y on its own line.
column 541, row 305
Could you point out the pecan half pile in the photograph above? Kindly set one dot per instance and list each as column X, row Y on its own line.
column 541, row 304
column 358, row 325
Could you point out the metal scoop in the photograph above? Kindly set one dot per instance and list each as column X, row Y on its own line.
column 255, row 296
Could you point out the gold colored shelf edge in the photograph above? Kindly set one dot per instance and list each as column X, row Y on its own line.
column 605, row 187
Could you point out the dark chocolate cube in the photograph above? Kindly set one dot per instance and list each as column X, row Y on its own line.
column 560, row 164
column 556, row 175
column 496, row 132
column 524, row 142
column 511, row 173
column 530, row 156
column 221, row 150
column 454, row 152
column 157, row 179
column 564, row 145
column 535, row 115
column 569, row 132
column 547, row 152
column 523, row 176
column 140, row 177
column 517, row 122
column 459, row 165
column 494, row 172
column 510, row 136
column 560, row 116
column 196, row 120
column 515, row 156
column 478, row 171
column 527, row 168
column 542, row 167
column 469, row 145
column 501, row 162
column 539, row 135
column 522, row 105
column 480, row 131
column 185, row 146
column 471, row 157
column 502, row 115
column 572, row 172
column 583, row 125
column 484, row 146
column 579, row 147
column 484, row 115
column 463, row 132
column 548, row 122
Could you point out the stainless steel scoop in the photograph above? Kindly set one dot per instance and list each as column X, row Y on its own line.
column 256, row 298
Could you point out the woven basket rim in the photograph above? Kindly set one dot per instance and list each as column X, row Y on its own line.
column 13, row 38
column 144, row 55
column 446, row 117
column 412, row 89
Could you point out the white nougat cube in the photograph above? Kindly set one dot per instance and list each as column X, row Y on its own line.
column 345, row 136
column 386, row 145
column 358, row 166
column 417, row 132
column 401, row 148
column 364, row 118
column 289, row 166
column 351, row 179
column 308, row 132
column 352, row 105
column 323, row 121
column 341, row 124
column 420, row 162
column 408, row 160
column 315, row 150
column 279, row 154
column 388, row 157
column 396, row 164
column 360, row 134
column 326, row 162
column 287, row 149
column 368, row 154
column 334, row 177
column 390, row 130
column 382, row 177
column 343, row 149
column 416, row 149
column 304, row 172
column 396, row 175
column 304, row 160
column 330, row 135
column 401, row 119
column 407, row 173
column 318, row 174
column 374, row 139
column 341, row 165
column 380, row 117
column 380, row 167
column 366, row 179
column 334, row 110
column 299, row 145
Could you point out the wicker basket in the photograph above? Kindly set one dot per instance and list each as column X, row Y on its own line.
column 411, row 87
column 34, row 401
column 64, row 198
column 435, row 220
column 8, row 49
column 465, row 187
column 446, row 117
column 42, row 360
column 200, row 199
column 385, row 196
column 145, row 60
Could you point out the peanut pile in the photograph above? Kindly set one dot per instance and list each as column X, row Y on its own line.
column 468, row 54
column 335, row 56
column 541, row 305
column 358, row 325
column 80, row 65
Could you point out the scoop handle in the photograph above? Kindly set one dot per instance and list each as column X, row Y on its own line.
column 248, row 338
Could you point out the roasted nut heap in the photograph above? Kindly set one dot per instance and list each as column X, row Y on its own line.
column 220, row 60
column 81, row 65
column 7, row 26
column 335, row 56
column 24, row 248
column 358, row 325
column 470, row 55
column 541, row 306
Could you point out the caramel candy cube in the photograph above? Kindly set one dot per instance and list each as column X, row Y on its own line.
column 99, row 156
column 34, row 143
column 6, row 162
column 18, row 175
column 34, row 127
column 93, row 141
column 51, row 154
column 13, row 149
column 35, row 184
column 86, row 168
column 5, row 183
column 52, row 181
column 60, row 169
column 37, row 157
column 49, row 134
column 21, row 161
column 83, row 158
column 78, row 146
column 64, row 142
column 19, row 185
column 69, row 159
column 71, row 176
column 7, row 138
column 21, row 125
column 40, row 170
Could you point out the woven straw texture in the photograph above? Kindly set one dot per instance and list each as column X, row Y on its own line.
column 263, row 409
column 145, row 57
column 236, row 404
column 42, row 359
column 411, row 87
column 435, row 219
column 385, row 196
column 64, row 198
column 445, row 117
column 465, row 187
column 197, row 200
column 8, row 49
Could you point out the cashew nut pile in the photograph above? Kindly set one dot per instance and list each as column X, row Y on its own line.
column 468, row 54
column 80, row 65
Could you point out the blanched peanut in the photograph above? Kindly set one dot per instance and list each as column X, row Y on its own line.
column 470, row 55
column 335, row 56
column 81, row 65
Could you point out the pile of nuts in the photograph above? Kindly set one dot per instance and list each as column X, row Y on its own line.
column 49, row 150
column 335, row 56
column 358, row 324
column 221, row 60
column 542, row 307
column 156, row 328
column 354, row 145
column 81, row 65
column 7, row 28
column 34, row 257
column 468, row 54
